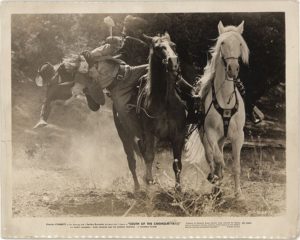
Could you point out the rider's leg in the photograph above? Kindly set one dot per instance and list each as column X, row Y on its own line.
column 193, row 101
column 122, row 94
column 249, row 107
column 54, row 92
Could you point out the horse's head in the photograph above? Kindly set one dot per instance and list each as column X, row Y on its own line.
column 232, row 47
column 76, row 63
column 44, row 74
column 164, row 49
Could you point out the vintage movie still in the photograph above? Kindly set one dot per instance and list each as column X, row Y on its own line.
column 149, row 123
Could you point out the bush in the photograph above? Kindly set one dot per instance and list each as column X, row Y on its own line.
column 37, row 38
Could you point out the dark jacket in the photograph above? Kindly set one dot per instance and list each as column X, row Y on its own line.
column 134, row 51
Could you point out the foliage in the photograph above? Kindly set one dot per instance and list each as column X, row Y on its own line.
column 37, row 38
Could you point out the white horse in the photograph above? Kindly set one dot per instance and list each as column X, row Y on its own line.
column 224, row 106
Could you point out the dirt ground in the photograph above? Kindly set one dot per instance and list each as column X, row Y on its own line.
column 76, row 167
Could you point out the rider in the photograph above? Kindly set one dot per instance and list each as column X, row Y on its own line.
column 108, row 72
column 128, row 48
column 134, row 50
column 252, row 111
column 59, row 85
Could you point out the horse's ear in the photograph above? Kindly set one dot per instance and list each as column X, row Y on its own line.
column 148, row 39
column 240, row 28
column 220, row 28
column 167, row 36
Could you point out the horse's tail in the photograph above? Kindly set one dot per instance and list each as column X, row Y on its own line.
column 194, row 150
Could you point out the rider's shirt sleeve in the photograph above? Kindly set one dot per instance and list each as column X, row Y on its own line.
column 104, row 50
column 80, row 78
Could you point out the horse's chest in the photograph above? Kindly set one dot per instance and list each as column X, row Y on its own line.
column 161, row 128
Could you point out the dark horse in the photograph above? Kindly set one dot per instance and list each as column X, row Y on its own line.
column 162, row 112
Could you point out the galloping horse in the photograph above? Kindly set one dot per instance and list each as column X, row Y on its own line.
column 224, row 106
column 163, row 114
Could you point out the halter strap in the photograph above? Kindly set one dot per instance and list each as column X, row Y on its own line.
column 224, row 59
column 226, row 114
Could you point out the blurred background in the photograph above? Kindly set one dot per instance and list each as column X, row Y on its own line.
column 39, row 38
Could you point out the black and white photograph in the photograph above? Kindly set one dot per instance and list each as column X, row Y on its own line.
column 150, row 115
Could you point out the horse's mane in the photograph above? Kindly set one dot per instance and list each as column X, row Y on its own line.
column 153, row 70
column 215, row 51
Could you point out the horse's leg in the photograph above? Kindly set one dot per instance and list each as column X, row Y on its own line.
column 149, row 155
column 236, row 152
column 209, row 155
column 219, row 157
column 177, row 145
column 214, row 154
column 128, row 148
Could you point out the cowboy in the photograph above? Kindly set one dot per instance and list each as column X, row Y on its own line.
column 94, row 91
column 129, row 48
column 61, row 84
column 108, row 72
column 252, row 111
column 134, row 50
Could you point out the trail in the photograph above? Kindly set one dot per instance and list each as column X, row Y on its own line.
column 76, row 166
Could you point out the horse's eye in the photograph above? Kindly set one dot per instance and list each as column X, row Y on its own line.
column 222, row 43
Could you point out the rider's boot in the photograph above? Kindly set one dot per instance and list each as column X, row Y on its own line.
column 90, row 101
column 252, row 112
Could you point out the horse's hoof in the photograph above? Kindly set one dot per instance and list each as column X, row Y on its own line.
column 212, row 178
column 148, row 181
column 151, row 182
column 178, row 187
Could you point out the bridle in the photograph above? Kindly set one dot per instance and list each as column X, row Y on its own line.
column 226, row 64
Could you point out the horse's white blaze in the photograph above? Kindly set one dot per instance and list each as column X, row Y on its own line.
column 171, row 55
